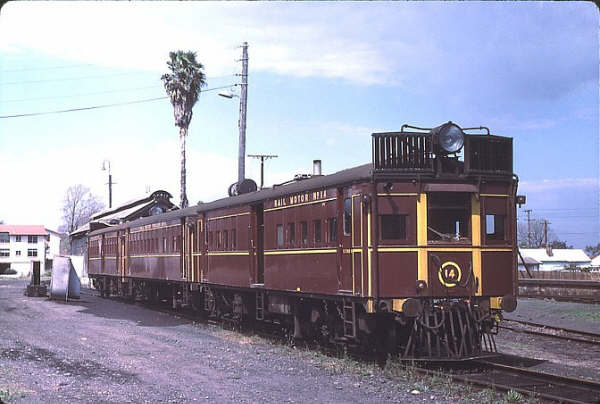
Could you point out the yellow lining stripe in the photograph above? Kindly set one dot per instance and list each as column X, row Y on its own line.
column 292, row 252
column 155, row 228
column 226, row 216
column 476, row 240
column 228, row 253
column 300, row 204
column 400, row 194
column 496, row 195
column 393, row 249
column 422, row 237
column 154, row 255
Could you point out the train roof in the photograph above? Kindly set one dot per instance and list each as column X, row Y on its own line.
column 348, row 176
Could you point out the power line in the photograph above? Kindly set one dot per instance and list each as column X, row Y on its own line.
column 87, row 77
column 67, row 78
column 82, row 108
column 44, row 68
column 99, row 106
column 78, row 95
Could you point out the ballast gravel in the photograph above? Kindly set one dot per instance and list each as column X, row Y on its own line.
column 97, row 350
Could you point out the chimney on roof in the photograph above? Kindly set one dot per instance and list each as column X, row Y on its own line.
column 316, row 168
column 549, row 250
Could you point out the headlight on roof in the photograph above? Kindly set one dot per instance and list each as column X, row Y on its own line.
column 451, row 137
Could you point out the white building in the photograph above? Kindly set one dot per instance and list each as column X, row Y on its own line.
column 553, row 259
column 23, row 247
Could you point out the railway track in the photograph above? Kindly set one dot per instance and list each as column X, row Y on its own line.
column 541, row 385
column 552, row 332
column 487, row 373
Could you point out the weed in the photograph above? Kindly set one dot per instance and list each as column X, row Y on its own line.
column 513, row 397
column 7, row 396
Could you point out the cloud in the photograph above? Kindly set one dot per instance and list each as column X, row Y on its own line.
column 411, row 45
column 562, row 184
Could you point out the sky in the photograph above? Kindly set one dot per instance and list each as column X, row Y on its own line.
column 323, row 76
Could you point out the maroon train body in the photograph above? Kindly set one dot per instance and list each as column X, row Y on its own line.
column 413, row 254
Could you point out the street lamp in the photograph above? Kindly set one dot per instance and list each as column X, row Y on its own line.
column 109, row 181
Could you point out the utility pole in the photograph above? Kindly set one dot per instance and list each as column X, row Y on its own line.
column 546, row 233
column 242, row 121
column 528, row 228
column 110, row 183
column 262, row 158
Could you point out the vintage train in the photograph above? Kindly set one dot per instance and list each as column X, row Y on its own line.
column 413, row 254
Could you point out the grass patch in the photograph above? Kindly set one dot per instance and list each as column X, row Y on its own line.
column 6, row 395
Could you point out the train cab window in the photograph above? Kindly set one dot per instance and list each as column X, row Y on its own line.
column 494, row 227
column 449, row 217
column 234, row 239
column 317, row 226
column 347, row 216
column 393, row 227
column 332, row 223
column 279, row 235
column 304, row 232
column 292, row 232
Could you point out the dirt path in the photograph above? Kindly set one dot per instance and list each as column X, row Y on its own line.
column 103, row 351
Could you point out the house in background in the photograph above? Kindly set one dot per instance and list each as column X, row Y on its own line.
column 24, row 247
column 554, row 259
column 532, row 264
column 596, row 262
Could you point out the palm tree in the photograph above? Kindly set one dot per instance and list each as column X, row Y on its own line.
column 183, row 86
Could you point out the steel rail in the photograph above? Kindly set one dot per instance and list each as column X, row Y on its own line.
column 592, row 338
column 536, row 383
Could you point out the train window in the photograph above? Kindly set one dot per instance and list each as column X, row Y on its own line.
column 279, row 235
column 449, row 217
column 304, row 232
column 225, row 239
column 393, row 227
column 347, row 216
column 292, row 232
column 234, row 239
column 494, row 227
column 332, row 223
column 210, row 239
column 164, row 244
column 219, row 240
column 317, row 225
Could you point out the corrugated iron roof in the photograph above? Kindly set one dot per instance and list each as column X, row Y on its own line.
column 23, row 230
column 558, row 254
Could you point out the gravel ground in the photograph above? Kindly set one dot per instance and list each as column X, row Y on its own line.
column 561, row 357
column 103, row 351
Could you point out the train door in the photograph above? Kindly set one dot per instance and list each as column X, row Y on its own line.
column 188, row 243
column 197, row 250
column 204, row 224
column 122, row 255
column 346, row 283
column 256, row 246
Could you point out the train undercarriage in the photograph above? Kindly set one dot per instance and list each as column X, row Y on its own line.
column 440, row 330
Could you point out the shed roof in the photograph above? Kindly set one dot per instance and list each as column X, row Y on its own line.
column 23, row 230
column 558, row 255
column 528, row 261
